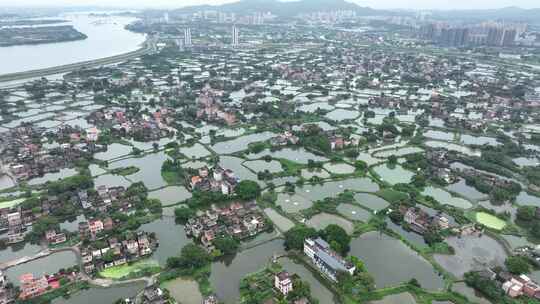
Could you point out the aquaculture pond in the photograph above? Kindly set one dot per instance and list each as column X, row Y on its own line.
column 445, row 198
column 292, row 203
column 299, row 155
column 282, row 223
column 53, row 176
column 385, row 255
column 471, row 251
column 453, row 147
column 102, row 295
column 150, row 169
column 393, row 174
column 467, row 191
column 469, row 293
column 171, row 237
column 322, row 220
column 339, row 168
column 46, row 265
column 111, row 180
column 170, row 195
column 526, row 199
column 333, row 188
column 308, row 174
column 342, row 114
column 400, row 298
column 228, row 272
column 114, row 150
column 272, row 166
column 235, row 164
column 195, row 152
column 184, row 291
column 318, row 290
column 354, row 212
column 439, row 135
column 241, row 143
column 398, row 152
column 371, row 201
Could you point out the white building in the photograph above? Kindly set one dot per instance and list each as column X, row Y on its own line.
column 283, row 282
column 328, row 261
column 187, row 37
column 235, row 36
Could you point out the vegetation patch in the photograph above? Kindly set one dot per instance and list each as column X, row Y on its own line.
column 123, row 271
column 490, row 221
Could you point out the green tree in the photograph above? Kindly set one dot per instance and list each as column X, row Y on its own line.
column 294, row 238
column 526, row 213
column 183, row 214
column 248, row 190
column 517, row 265
column 338, row 238
column 227, row 245
column 191, row 257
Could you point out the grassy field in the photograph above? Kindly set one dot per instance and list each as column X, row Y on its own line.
column 490, row 221
column 118, row 272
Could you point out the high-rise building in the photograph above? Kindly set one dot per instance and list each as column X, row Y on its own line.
column 509, row 37
column 235, row 36
column 187, row 37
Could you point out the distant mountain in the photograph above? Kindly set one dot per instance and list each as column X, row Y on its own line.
column 508, row 13
column 285, row 9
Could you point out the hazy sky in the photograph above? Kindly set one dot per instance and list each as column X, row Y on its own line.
column 422, row 4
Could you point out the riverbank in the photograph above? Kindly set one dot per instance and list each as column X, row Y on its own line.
column 76, row 66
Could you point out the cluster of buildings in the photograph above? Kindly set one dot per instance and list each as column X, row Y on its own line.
column 6, row 292
column 211, row 109
column 25, row 158
column 16, row 220
column 516, row 286
column 31, row 286
column 216, row 179
column 142, row 127
column 329, row 17
column 93, row 229
column 284, row 139
column 420, row 222
column 13, row 223
column 328, row 261
column 117, row 252
column 236, row 220
column 105, row 197
column 491, row 34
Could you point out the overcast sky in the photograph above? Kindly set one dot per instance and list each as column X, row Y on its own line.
column 410, row 4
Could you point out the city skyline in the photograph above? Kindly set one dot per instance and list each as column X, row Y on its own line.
column 387, row 4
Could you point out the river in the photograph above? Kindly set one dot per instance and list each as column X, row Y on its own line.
column 106, row 37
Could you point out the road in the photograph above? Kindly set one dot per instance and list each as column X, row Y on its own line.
column 76, row 66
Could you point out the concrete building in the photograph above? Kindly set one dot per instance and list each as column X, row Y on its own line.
column 235, row 36
column 187, row 37
column 327, row 260
column 283, row 282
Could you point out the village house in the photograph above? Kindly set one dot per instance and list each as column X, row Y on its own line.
column 237, row 220
column 283, row 282
column 32, row 287
column 215, row 180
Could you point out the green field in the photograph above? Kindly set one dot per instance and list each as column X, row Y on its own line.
column 10, row 204
column 118, row 272
column 490, row 221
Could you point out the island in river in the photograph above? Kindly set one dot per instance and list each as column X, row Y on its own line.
column 39, row 35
